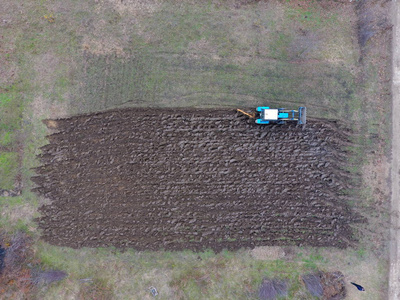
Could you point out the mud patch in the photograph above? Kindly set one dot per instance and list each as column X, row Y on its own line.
column 193, row 179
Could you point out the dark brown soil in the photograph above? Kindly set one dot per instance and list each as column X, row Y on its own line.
column 193, row 179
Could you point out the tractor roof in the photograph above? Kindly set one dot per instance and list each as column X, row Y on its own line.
column 270, row 114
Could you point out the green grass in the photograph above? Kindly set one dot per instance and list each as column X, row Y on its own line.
column 205, row 55
column 228, row 275
column 313, row 17
column 183, row 81
column 17, row 213
column 10, row 112
column 6, row 138
column 8, row 169
column 187, row 55
column 188, row 275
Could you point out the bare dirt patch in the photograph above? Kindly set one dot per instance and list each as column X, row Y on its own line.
column 135, row 6
column 178, row 179
column 42, row 108
column 102, row 47
column 44, row 65
column 268, row 253
column 376, row 174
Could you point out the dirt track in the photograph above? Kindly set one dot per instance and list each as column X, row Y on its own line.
column 193, row 179
column 394, row 274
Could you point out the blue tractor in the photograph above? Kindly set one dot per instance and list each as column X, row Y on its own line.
column 267, row 115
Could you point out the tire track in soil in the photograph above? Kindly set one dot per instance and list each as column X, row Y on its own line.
column 193, row 179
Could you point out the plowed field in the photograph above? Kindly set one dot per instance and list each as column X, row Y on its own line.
column 192, row 179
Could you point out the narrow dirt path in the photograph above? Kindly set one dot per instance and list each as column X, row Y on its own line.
column 394, row 279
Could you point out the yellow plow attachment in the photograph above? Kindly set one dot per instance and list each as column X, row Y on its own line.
column 253, row 115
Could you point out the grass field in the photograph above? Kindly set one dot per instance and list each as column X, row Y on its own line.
column 65, row 57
